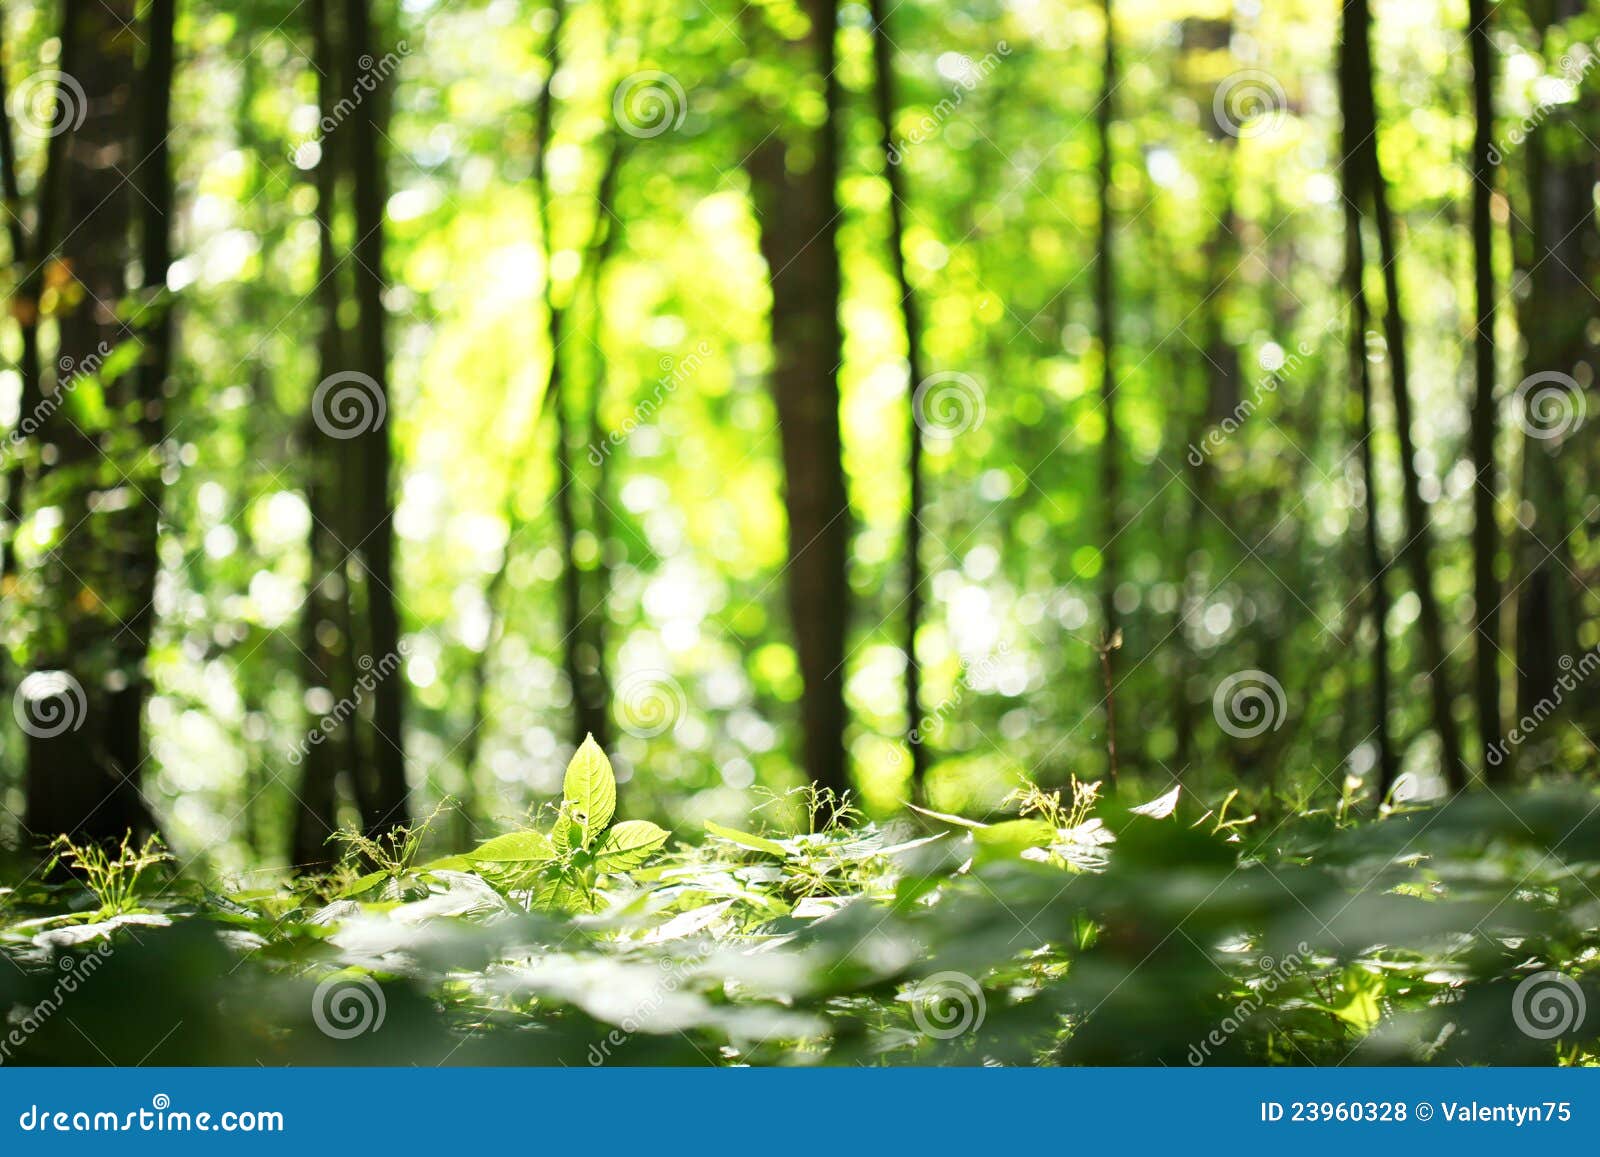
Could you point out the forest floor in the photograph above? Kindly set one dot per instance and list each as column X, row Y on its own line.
column 1082, row 930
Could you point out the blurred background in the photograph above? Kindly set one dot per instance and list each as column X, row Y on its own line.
column 921, row 399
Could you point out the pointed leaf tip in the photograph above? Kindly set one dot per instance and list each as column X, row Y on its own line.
column 589, row 790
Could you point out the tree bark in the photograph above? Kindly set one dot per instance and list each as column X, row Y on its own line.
column 1361, row 117
column 387, row 790
column 1485, row 532
column 1105, row 309
column 1361, row 376
column 76, row 783
column 588, row 706
column 1105, row 276
column 154, row 327
column 885, row 105
column 1558, row 258
column 797, row 204
column 326, row 638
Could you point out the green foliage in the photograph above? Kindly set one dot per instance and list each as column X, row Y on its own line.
column 1184, row 938
column 564, row 868
column 115, row 876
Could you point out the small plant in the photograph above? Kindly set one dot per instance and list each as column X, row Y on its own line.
column 113, row 876
column 562, row 869
column 393, row 852
column 1047, row 805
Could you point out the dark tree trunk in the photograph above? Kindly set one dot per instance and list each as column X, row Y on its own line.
column 1110, row 446
column 582, row 612
column 799, row 212
column 326, row 640
column 885, row 105
column 1558, row 259
column 588, row 701
column 386, row 790
column 602, row 239
column 1105, row 308
column 154, row 327
column 1485, row 533
column 75, row 783
column 1416, row 553
column 1361, row 377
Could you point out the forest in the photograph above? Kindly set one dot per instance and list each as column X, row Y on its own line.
column 799, row 532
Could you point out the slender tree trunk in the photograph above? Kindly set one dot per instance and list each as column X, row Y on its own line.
column 388, row 791
column 588, row 708
column 1105, row 307
column 884, row 100
column 584, row 644
column 326, row 640
column 1361, row 117
column 1361, row 375
column 602, row 240
column 1376, row 567
column 154, row 326
column 1485, row 533
column 798, row 211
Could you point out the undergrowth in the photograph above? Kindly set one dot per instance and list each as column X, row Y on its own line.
column 1080, row 927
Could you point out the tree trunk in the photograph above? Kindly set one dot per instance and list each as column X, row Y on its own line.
column 387, row 784
column 798, row 211
column 154, row 326
column 1485, row 532
column 1361, row 120
column 1361, row 376
column 326, row 642
column 1558, row 260
column 74, row 782
column 1110, row 445
column 885, row 105
column 588, row 705
column 602, row 239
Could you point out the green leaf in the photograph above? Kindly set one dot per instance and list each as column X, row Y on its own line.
column 590, row 789
column 746, row 840
column 1011, row 837
column 628, row 845
column 364, row 883
column 1363, row 992
column 945, row 817
column 564, row 893
column 515, row 848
